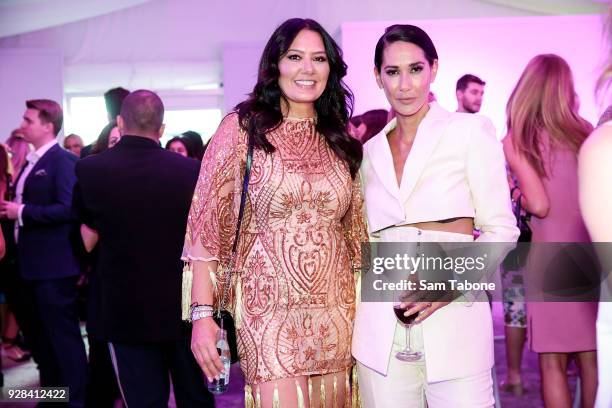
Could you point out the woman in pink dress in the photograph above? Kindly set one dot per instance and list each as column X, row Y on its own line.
column 303, row 224
column 545, row 133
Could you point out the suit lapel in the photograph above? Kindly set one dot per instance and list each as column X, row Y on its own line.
column 379, row 154
column 40, row 164
column 428, row 135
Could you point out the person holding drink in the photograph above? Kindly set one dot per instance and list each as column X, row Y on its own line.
column 429, row 176
column 299, row 240
column 407, row 354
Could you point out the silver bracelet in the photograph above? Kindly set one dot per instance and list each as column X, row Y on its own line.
column 201, row 308
column 201, row 314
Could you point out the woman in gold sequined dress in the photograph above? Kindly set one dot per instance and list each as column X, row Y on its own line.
column 300, row 239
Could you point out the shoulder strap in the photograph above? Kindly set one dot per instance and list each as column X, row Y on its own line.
column 243, row 197
column 245, row 189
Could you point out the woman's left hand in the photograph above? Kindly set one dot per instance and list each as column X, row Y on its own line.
column 424, row 309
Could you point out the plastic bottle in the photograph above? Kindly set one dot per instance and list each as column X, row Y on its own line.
column 220, row 386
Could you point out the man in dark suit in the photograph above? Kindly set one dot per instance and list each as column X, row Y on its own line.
column 45, row 253
column 134, row 200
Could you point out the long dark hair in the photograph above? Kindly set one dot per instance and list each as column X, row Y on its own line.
column 261, row 112
column 185, row 142
column 101, row 143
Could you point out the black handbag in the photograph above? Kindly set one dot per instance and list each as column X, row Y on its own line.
column 517, row 258
column 223, row 317
column 522, row 221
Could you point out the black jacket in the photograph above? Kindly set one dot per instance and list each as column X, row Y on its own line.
column 137, row 196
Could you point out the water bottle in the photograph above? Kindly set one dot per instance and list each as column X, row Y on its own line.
column 220, row 386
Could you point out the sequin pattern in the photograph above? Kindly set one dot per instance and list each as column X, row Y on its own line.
column 299, row 246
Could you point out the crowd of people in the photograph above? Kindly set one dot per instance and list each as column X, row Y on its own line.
column 277, row 209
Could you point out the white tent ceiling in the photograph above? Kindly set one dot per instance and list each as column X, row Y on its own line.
column 172, row 44
column 22, row 16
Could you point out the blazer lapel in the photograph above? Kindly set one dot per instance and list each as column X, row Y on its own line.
column 428, row 135
column 39, row 165
column 379, row 154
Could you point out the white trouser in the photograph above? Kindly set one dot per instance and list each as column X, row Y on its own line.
column 406, row 386
column 458, row 338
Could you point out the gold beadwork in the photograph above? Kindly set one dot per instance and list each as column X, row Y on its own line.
column 285, row 311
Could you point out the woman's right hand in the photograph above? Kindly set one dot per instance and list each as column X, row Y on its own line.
column 204, row 347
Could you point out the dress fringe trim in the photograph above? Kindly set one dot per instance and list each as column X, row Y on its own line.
column 186, row 292
column 252, row 395
column 300, row 395
column 322, row 392
column 275, row 397
column 335, row 392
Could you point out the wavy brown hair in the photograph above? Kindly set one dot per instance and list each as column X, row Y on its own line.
column 261, row 112
column 544, row 99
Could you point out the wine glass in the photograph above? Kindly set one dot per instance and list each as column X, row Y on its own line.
column 407, row 354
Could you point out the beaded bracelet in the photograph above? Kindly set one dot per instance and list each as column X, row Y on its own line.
column 197, row 306
column 201, row 307
column 201, row 311
column 201, row 314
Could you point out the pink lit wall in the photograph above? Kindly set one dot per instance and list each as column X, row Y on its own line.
column 27, row 74
column 495, row 49
column 240, row 62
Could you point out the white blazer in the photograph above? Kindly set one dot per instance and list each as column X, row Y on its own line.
column 456, row 168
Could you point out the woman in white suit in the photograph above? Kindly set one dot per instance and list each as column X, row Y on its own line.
column 429, row 176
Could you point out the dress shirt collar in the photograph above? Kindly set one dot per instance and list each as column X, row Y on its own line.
column 35, row 156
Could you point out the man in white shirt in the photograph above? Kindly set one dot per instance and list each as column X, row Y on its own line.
column 44, row 225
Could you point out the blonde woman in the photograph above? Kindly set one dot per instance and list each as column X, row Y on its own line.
column 544, row 135
column 19, row 150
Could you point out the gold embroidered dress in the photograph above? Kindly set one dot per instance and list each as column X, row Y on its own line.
column 298, row 250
